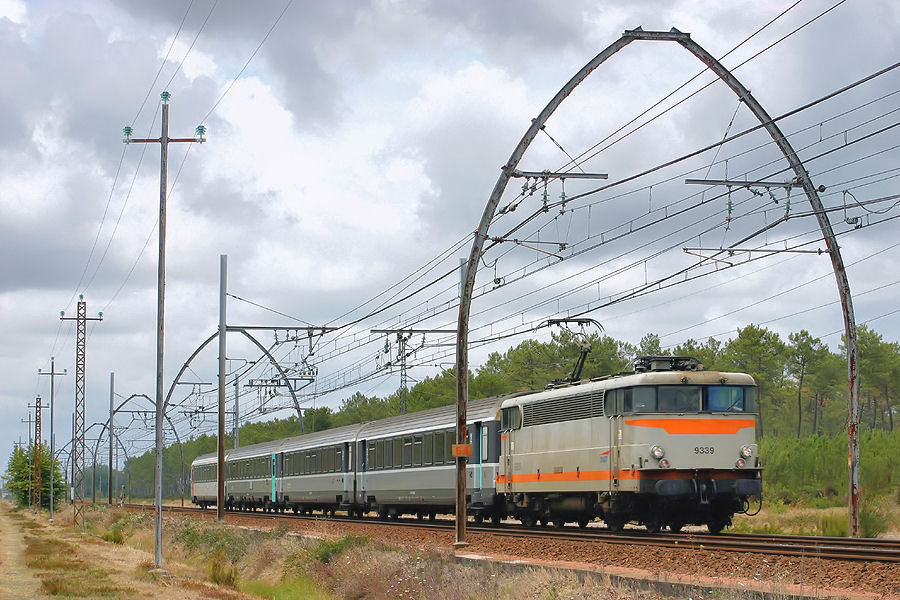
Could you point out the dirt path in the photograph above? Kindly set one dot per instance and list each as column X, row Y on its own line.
column 16, row 580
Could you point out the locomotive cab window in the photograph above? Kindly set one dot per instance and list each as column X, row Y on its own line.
column 679, row 399
column 730, row 398
column 638, row 399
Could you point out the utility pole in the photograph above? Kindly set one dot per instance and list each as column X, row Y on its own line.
column 78, row 445
column 38, row 407
column 29, row 420
column 220, row 464
column 163, row 140
column 237, row 412
column 53, row 374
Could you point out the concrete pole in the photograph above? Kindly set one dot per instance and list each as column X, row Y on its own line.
column 223, row 286
column 52, row 436
column 160, row 332
column 237, row 413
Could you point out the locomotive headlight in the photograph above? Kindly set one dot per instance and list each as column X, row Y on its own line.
column 664, row 463
column 746, row 451
column 739, row 463
column 657, row 452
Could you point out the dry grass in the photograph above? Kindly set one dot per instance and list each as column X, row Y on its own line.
column 817, row 521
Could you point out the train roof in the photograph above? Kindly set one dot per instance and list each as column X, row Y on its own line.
column 641, row 378
column 328, row 437
column 433, row 418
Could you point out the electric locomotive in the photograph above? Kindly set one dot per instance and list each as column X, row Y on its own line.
column 667, row 445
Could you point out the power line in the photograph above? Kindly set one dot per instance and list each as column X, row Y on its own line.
column 246, row 64
column 162, row 63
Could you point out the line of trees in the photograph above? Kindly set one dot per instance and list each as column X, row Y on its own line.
column 803, row 388
column 20, row 474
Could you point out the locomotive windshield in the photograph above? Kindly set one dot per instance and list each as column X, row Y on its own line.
column 681, row 399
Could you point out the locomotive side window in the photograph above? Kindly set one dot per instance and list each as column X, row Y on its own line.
column 510, row 418
column 612, row 402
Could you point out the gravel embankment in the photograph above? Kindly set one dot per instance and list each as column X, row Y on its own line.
column 704, row 567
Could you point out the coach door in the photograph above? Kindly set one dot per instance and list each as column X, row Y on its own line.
column 348, row 472
column 510, row 420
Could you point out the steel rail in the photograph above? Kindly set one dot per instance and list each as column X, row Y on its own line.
column 831, row 548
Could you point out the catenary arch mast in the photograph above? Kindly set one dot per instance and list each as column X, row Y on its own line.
column 802, row 176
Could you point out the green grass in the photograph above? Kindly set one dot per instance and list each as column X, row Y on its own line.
column 298, row 588
column 326, row 549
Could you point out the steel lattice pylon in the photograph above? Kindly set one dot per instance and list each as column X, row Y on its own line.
column 78, row 442
column 37, row 453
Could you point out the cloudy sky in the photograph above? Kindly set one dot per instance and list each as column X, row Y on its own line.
column 351, row 148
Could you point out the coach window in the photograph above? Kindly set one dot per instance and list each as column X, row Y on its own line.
column 449, row 440
column 439, row 448
column 428, row 448
column 398, row 452
column 417, row 450
column 338, row 459
column 407, row 451
column 371, row 459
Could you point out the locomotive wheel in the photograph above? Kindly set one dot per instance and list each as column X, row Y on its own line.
column 543, row 521
column 479, row 519
column 675, row 526
column 558, row 523
column 496, row 519
column 382, row 513
column 583, row 523
column 716, row 525
column 528, row 521
column 614, row 524
column 653, row 525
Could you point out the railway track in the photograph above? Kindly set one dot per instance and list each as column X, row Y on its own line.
column 864, row 549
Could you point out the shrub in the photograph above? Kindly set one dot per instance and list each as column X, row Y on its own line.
column 220, row 572
column 326, row 549
column 114, row 535
column 872, row 521
column 833, row 525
